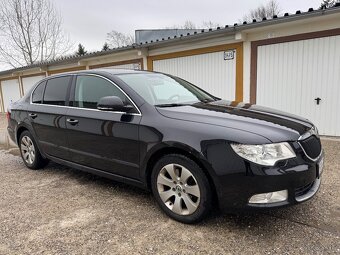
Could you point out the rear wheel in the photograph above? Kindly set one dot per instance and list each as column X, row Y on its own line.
column 181, row 188
column 30, row 152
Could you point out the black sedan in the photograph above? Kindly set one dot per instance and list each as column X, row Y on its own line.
column 193, row 150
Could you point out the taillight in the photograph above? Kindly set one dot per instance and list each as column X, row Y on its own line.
column 8, row 115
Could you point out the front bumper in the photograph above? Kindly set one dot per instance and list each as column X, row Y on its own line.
column 300, row 177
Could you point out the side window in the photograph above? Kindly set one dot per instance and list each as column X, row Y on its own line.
column 38, row 92
column 56, row 90
column 89, row 89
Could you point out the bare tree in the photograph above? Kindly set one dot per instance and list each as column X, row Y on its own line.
column 117, row 39
column 31, row 31
column 210, row 24
column 188, row 24
column 328, row 4
column 264, row 11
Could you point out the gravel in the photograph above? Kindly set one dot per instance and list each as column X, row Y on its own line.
column 60, row 210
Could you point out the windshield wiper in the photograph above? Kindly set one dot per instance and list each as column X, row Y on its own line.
column 170, row 105
column 208, row 100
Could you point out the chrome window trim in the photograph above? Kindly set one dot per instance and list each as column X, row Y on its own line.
column 88, row 109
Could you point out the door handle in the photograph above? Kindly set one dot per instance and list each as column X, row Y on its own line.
column 72, row 121
column 33, row 115
column 318, row 99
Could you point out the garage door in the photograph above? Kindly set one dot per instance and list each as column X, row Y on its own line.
column 29, row 82
column 209, row 71
column 302, row 77
column 10, row 92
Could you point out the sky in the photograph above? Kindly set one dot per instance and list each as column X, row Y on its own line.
column 88, row 21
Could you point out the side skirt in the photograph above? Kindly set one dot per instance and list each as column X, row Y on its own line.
column 98, row 172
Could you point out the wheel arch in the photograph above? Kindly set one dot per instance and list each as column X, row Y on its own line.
column 19, row 131
column 24, row 127
column 184, row 150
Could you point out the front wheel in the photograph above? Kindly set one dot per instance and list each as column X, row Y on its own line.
column 30, row 152
column 181, row 188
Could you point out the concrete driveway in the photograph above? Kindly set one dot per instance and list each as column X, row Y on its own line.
column 63, row 211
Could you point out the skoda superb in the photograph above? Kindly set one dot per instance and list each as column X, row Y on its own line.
column 194, row 151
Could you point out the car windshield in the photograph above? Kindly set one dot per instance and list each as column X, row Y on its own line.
column 165, row 91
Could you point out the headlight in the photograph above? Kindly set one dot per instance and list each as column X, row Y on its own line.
column 266, row 154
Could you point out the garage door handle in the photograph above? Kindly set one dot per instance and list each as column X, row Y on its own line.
column 72, row 121
column 33, row 115
column 318, row 99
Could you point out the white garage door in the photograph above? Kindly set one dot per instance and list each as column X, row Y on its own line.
column 10, row 92
column 29, row 82
column 292, row 76
column 208, row 71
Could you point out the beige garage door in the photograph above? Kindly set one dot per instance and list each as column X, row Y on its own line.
column 29, row 82
column 10, row 92
column 210, row 71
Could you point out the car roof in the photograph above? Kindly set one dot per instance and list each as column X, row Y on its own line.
column 119, row 70
column 113, row 71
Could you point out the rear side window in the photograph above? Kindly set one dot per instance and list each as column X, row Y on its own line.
column 37, row 94
column 89, row 89
column 56, row 91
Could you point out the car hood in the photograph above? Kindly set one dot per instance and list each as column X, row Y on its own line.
column 275, row 125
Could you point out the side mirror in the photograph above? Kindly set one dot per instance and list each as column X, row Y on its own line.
column 113, row 103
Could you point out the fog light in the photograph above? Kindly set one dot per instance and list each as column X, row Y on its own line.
column 271, row 197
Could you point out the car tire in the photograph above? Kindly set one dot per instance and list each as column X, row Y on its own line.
column 30, row 153
column 181, row 188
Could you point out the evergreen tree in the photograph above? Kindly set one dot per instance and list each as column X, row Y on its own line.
column 105, row 47
column 81, row 50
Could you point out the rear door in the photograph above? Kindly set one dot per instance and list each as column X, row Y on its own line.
column 102, row 140
column 47, row 115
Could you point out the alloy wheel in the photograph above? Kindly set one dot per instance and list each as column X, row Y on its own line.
column 178, row 189
column 27, row 150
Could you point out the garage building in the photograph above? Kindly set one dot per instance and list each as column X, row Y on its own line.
column 291, row 63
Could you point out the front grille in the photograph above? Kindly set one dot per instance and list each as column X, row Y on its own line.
column 311, row 146
column 303, row 190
